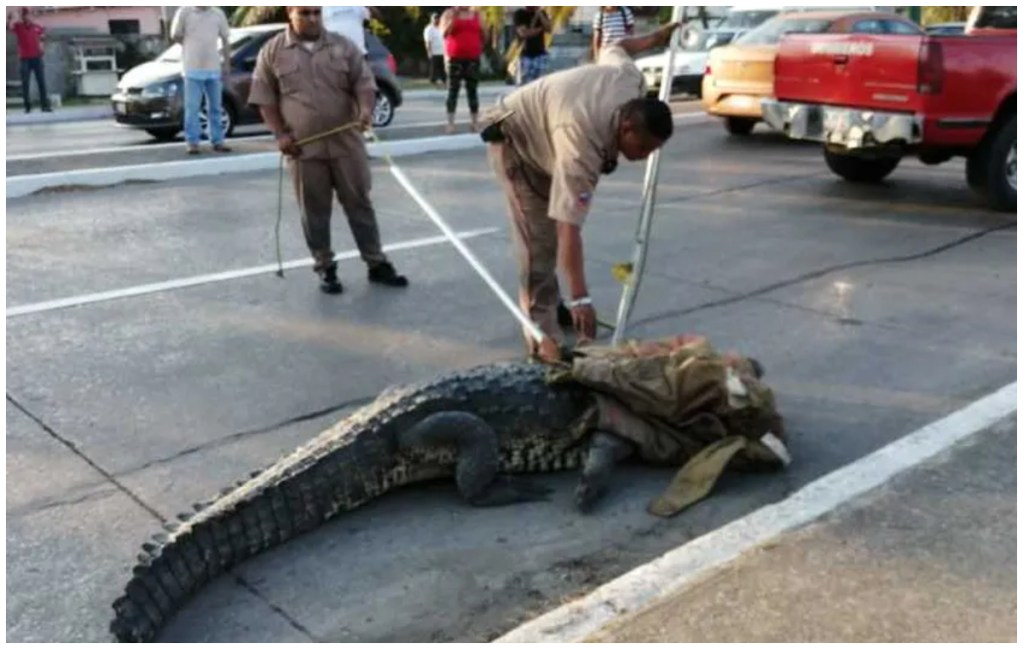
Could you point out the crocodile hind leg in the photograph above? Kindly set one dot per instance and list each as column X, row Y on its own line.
column 605, row 451
column 476, row 472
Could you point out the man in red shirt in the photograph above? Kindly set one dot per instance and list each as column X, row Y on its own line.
column 30, row 55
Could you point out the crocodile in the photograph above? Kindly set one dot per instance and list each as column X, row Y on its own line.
column 481, row 427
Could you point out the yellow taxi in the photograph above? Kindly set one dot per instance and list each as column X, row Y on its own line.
column 739, row 75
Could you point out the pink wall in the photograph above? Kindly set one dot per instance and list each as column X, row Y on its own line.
column 95, row 18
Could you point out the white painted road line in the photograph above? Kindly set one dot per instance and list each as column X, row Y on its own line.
column 683, row 566
column 145, row 289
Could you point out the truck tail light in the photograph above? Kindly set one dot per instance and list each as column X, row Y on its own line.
column 931, row 71
column 392, row 64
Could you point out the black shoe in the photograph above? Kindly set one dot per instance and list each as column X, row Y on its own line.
column 47, row 110
column 564, row 316
column 385, row 274
column 329, row 283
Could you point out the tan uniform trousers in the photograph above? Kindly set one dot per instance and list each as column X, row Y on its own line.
column 535, row 237
column 316, row 182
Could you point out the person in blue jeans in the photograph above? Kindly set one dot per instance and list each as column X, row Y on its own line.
column 204, row 68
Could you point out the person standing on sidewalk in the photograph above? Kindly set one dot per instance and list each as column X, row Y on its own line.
column 348, row 21
column 611, row 24
column 434, row 41
column 548, row 143
column 205, row 66
column 30, row 57
column 532, row 25
column 308, row 81
column 463, row 43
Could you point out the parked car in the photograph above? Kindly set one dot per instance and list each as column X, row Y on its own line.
column 739, row 75
column 691, row 58
column 151, row 96
column 945, row 29
column 873, row 98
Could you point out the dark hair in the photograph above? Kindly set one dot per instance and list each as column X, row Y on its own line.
column 649, row 115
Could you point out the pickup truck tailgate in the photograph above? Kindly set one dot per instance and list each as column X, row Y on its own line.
column 855, row 70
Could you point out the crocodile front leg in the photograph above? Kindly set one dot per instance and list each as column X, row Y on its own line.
column 478, row 458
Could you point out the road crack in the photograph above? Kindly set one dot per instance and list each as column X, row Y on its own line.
column 821, row 272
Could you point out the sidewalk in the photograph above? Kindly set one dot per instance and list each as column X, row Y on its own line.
column 17, row 116
column 928, row 557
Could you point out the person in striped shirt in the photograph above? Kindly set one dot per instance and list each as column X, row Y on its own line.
column 611, row 24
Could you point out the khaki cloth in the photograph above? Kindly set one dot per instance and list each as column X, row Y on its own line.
column 559, row 131
column 682, row 404
column 318, row 90
column 565, row 126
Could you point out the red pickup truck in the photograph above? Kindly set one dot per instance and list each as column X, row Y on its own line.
column 875, row 98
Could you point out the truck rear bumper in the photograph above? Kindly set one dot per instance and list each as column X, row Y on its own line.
column 850, row 128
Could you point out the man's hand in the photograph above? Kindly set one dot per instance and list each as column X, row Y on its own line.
column 548, row 350
column 584, row 320
column 288, row 146
column 366, row 122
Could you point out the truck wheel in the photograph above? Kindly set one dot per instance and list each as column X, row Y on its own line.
column 739, row 125
column 860, row 169
column 994, row 166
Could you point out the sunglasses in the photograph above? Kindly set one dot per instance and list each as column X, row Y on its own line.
column 308, row 13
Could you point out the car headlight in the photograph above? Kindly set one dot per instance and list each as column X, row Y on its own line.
column 165, row 89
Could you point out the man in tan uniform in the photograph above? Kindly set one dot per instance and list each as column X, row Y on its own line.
column 549, row 143
column 308, row 81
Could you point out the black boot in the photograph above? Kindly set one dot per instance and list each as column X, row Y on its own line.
column 384, row 273
column 328, row 281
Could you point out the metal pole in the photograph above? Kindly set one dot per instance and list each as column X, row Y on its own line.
column 631, row 288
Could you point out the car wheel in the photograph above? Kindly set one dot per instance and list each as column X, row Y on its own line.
column 383, row 110
column 860, row 169
column 991, row 170
column 227, row 119
column 739, row 125
column 164, row 134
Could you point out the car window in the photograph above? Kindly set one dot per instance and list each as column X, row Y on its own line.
column 745, row 19
column 899, row 27
column 771, row 32
column 867, row 27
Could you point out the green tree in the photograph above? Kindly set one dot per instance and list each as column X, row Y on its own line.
column 932, row 15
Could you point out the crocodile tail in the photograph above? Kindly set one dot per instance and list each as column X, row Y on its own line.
column 245, row 521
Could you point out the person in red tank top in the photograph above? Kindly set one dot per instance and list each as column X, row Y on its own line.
column 463, row 45
column 30, row 56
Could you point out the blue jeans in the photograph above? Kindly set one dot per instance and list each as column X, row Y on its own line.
column 28, row 68
column 195, row 88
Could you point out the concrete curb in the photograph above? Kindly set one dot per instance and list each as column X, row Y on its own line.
column 89, row 113
column 83, row 114
column 19, row 186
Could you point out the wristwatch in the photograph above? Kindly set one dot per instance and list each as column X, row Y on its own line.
column 583, row 301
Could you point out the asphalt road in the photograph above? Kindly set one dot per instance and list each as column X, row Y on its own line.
column 875, row 310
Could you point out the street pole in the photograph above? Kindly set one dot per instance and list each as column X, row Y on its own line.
column 631, row 288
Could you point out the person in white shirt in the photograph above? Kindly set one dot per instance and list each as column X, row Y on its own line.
column 434, row 39
column 348, row 22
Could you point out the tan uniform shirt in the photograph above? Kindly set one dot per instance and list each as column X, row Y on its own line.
column 316, row 90
column 566, row 125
